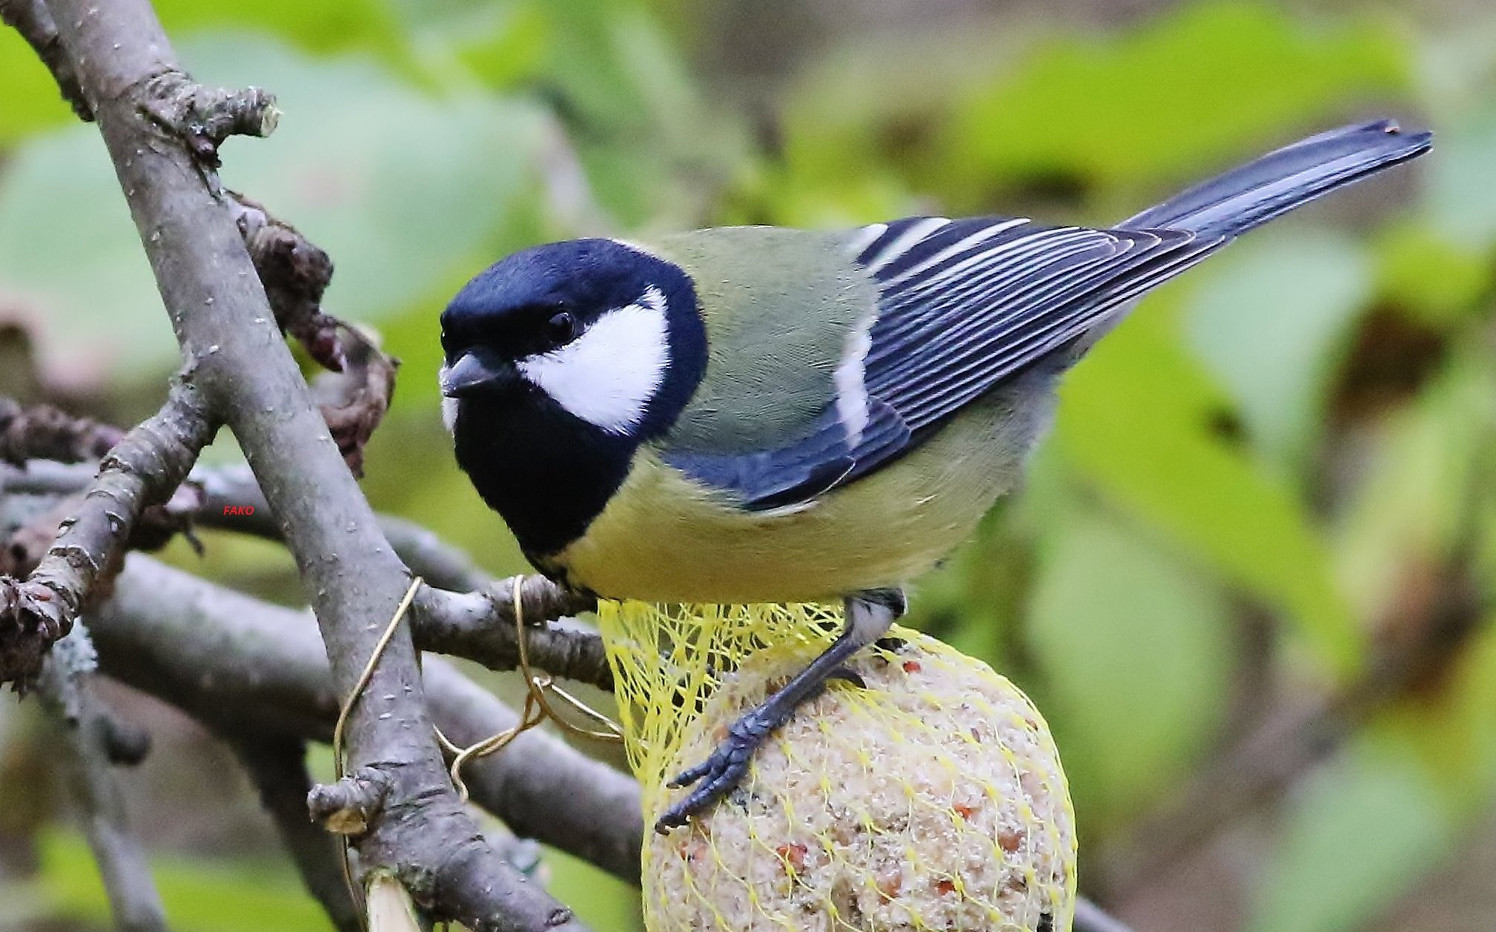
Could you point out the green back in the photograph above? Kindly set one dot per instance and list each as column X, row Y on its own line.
column 779, row 305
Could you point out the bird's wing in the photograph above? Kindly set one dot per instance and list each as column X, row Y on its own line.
column 961, row 306
column 775, row 326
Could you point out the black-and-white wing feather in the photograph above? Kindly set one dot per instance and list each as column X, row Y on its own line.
column 966, row 304
column 962, row 306
column 975, row 301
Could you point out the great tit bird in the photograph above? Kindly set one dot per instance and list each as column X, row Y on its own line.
column 757, row 414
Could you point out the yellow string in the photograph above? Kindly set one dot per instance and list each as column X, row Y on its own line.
column 543, row 683
column 337, row 731
column 367, row 674
column 536, row 710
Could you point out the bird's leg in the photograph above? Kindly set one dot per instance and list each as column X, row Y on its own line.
column 869, row 615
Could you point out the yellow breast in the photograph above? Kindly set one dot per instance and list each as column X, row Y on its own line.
column 665, row 538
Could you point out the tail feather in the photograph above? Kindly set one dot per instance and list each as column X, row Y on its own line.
column 1278, row 182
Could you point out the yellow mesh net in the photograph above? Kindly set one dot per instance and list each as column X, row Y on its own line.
column 931, row 799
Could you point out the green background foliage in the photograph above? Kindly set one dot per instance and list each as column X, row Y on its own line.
column 1259, row 490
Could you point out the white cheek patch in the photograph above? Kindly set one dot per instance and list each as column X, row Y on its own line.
column 449, row 412
column 608, row 375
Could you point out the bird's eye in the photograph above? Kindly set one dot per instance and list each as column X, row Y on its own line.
column 561, row 328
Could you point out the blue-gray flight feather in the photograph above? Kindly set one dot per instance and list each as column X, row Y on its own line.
column 1276, row 183
column 966, row 304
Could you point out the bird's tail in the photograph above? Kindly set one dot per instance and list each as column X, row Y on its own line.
column 1280, row 181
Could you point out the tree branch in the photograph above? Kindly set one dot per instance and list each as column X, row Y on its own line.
column 480, row 626
column 145, row 468
column 278, row 768
column 202, row 117
column 476, row 625
column 67, row 692
column 219, row 311
column 464, row 612
column 242, row 666
column 295, row 273
column 1092, row 918
column 45, row 477
column 232, row 501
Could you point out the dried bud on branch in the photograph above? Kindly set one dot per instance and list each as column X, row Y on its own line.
column 47, row 433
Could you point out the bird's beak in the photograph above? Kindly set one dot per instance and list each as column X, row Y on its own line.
column 472, row 374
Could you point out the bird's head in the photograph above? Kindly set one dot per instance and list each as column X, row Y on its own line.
column 592, row 330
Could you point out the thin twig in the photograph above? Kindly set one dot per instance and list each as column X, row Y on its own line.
column 205, row 117
column 68, row 694
column 479, row 626
column 295, row 273
column 1092, row 918
column 144, row 469
column 46, row 477
column 464, row 613
column 278, row 768
column 48, row 433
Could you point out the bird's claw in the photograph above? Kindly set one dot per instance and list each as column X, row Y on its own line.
column 724, row 769
column 848, row 675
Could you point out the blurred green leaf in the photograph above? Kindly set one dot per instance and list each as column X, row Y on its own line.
column 850, row 109
column 505, row 42
column 72, row 267
column 313, row 25
column 1361, row 832
column 1271, row 324
column 219, row 897
column 975, row 600
column 406, row 190
column 32, row 100
column 1134, row 648
column 1432, row 276
column 1450, row 726
column 616, row 66
column 1462, row 181
column 1407, row 506
column 654, row 151
column 1136, row 420
column 601, row 900
column 1201, row 83
column 23, row 904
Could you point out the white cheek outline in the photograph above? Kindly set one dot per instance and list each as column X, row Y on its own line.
column 609, row 374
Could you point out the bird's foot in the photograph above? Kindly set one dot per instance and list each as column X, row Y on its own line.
column 716, row 776
column 868, row 616
column 720, row 773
